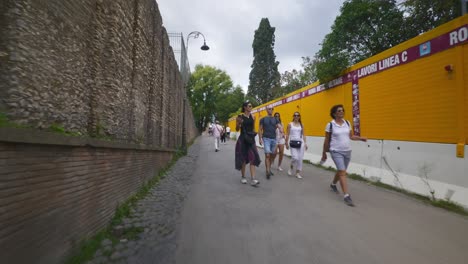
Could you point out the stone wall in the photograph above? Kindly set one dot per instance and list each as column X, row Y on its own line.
column 100, row 68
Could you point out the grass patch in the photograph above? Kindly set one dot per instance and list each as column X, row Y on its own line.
column 448, row 205
column 3, row 119
column 88, row 247
column 5, row 122
column 56, row 128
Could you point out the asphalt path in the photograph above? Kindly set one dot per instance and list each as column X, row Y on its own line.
column 290, row 220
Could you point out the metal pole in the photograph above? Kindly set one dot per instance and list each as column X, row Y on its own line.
column 184, row 127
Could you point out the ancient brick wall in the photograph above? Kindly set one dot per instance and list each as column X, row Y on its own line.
column 54, row 194
column 95, row 67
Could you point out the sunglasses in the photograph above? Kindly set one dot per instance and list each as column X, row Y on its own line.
column 249, row 105
column 296, row 115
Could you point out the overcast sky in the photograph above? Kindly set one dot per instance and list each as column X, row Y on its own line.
column 229, row 28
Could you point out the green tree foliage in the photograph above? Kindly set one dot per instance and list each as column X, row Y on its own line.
column 212, row 95
column 424, row 15
column 229, row 104
column 293, row 80
column 264, row 76
column 363, row 29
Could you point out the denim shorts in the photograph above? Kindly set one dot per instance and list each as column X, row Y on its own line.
column 341, row 159
column 269, row 145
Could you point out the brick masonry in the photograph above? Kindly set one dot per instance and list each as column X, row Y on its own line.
column 97, row 67
column 52, row 196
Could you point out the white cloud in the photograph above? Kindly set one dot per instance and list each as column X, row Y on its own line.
column 229, row 28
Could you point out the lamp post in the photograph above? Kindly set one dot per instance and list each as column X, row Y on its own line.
column 196, row 34
column 204, row 47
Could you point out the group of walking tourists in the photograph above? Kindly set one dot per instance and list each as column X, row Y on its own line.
column 273, row 137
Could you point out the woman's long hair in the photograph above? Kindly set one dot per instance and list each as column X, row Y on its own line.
column 244, row 105
column 300, row 122
column 279, row 117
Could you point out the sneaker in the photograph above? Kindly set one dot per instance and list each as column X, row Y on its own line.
column 216, row 150
column 244, row 180
column 271, row 173
column 268, row 175
column 333, row 188
column 254, row 183
column 348, row 201
column 289, row 172
column 280, row 169
column 298, row 176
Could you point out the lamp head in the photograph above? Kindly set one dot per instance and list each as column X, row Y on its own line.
column 204, row 47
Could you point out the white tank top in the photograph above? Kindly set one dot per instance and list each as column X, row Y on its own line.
column 295, row 132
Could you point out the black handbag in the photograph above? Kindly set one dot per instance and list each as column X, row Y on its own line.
column 295, row 143
column 249, row 137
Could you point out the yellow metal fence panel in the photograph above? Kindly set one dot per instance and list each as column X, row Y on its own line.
column 413, row 102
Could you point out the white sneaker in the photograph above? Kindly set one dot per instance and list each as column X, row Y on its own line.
column 289, row 172
column 254, row 183
column 244, row 180
column 298, row 176
column 280, row 169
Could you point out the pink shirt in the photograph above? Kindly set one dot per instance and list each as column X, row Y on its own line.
column 217, row 130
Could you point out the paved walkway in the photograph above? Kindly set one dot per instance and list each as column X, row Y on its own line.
column 285, row 220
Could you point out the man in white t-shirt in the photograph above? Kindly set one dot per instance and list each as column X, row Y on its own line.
column 217, row 132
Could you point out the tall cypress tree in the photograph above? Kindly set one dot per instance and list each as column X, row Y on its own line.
column 264, row 76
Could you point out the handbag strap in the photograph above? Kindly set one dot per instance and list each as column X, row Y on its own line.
column 242, row 126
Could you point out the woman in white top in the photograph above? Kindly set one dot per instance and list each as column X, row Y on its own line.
column 338, row 134
column 296, row 132
column 280, row 140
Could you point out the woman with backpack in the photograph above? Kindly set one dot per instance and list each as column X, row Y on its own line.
column 295, row 140
column 338, row 135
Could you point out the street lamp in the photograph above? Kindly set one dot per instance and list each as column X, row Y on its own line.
column 193, row 34
column 196, row 34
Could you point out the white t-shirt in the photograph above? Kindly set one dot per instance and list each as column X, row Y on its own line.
column 228, row 129
column 340, row 140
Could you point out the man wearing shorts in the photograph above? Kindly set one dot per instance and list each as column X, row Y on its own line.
column 267, row 138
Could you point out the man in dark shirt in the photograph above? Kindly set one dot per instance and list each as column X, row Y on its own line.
column 267, row 137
